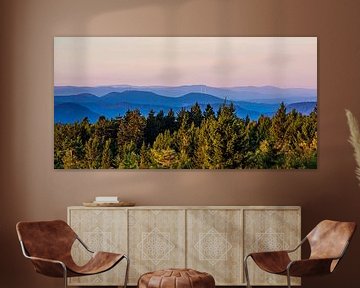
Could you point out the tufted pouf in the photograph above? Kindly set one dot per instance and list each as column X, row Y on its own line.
column 176, row 278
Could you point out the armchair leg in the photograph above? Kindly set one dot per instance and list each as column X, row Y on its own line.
column 65, row 276
column 127, row 271
column 246, row 271
column 288, row 279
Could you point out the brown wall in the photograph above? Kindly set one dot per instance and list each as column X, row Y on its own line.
column 31, row 189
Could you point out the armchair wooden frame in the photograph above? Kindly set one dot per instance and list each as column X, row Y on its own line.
column 320, row 261
column 59, row 267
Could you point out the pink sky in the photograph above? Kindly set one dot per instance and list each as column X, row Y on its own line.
column 173, row 61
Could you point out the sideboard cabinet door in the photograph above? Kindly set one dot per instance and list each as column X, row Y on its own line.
column 214, row 244
column 270, row 230
column 156, row 240
column 101, row 230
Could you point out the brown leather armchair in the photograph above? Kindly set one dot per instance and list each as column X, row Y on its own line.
column 48, row 245
column 328, row 242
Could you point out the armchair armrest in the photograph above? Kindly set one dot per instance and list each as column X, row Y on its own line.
column 83, row 244
column 49, row 267
column 309, row 267
column 46, row 260
column 280, row 252
column 271, row 261
column 314, row 266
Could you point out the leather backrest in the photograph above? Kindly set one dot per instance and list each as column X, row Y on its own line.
column 47, row 239
column 329, row 238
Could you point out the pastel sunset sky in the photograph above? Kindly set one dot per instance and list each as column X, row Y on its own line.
column 171, row 61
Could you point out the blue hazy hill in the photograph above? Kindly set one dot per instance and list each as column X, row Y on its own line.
column 72, row 112
column 201, row 98
column 134, row 97
column 73, row 108
column 302, row 107
column 144, row 97
column 260, row 94
column 78, row 98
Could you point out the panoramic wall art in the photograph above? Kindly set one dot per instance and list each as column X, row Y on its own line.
column 185, row 102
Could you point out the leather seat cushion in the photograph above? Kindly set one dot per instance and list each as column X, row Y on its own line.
column 176, row 278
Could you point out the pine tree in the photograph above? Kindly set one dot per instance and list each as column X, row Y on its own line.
column 85, row 130
column 277, row 137
column 160, row 121
column 69, row 160
column 247, row 120
column 209, row 112
column 184, row 140
column 204, row 148
column 195, row 116
column 163, row 153
column 225, row 139
column 130, row 158
column 106, row 155
column 131, row 129
column 265, row 157
column 170, row 121
column 145, row 157
column 93, row 153
column 151, row 129
column 163, row 141
column 180, row 116
column 278, row 127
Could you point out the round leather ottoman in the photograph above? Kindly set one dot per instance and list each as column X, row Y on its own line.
column 176, row 278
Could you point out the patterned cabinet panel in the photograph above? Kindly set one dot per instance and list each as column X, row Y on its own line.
column 214, row 244
column 101, row 230
column 156, row 240
column 269, row 230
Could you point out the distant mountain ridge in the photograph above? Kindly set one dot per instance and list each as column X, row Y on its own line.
column 71, row 108
column 264, row 94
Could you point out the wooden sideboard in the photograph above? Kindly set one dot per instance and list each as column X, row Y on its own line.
column 212, row 239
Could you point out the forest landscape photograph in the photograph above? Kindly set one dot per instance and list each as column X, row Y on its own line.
column 185, row 102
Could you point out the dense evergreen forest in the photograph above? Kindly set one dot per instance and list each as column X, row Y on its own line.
column 193, row 139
